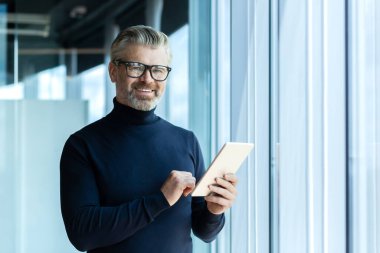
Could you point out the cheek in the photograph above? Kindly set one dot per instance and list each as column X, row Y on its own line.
column 124, row 84
column 120, row 78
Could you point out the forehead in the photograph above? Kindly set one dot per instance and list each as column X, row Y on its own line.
column 146, row 54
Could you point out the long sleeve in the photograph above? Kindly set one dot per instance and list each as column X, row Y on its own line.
column 90, row 225
column 205, row 225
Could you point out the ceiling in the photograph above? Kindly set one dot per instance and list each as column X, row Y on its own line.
column 66, row 24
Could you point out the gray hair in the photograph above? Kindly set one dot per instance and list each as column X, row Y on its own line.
column 140, row 35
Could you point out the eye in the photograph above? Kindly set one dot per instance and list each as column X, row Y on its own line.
column 135, row 67
column 159, row 70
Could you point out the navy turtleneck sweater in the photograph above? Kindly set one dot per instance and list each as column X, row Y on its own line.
column 111, row 174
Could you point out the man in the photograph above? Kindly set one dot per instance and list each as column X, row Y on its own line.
column 126, row 179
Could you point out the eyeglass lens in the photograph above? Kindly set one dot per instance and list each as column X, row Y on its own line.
column 136, row 70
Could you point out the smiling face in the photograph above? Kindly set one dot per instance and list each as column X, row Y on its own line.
column 141, row 93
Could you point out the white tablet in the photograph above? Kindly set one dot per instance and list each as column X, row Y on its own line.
column 228, row 160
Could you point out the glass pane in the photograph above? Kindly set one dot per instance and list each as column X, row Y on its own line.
column 177, row 88
column 53, row 74
column 200, row 83
column 292, row 128
column 308, row 124
column 364, row 119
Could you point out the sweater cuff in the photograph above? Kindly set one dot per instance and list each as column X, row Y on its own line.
column 155, row 204
column 213, row 218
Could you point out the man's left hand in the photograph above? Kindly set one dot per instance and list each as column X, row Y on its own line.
column 223, row 194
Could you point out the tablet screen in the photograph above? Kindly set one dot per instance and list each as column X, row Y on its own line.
column 228, row 160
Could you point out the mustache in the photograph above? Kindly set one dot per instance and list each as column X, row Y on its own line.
column 143, row 86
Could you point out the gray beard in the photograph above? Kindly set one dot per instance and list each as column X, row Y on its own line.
column 143, row 105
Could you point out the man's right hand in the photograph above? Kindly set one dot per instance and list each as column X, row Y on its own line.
column 177, row 184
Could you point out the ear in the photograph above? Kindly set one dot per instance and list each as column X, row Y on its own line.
column 112, row 71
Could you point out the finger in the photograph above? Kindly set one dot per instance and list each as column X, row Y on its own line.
column 187, row 191
column 222, row 192
column 186, row 174
column 188, row 183
column 181, row 174
column 226, row 184
column 218, row 200
column 182, row 178
column 189, row 180
column 232, row 178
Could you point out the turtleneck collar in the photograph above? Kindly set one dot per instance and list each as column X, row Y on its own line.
column 129, row 115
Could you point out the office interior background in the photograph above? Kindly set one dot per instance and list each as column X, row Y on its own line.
column 299, row 78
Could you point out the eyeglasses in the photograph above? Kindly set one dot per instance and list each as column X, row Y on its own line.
column 137, row 69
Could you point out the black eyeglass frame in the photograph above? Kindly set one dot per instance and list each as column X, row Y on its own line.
column 149, row 67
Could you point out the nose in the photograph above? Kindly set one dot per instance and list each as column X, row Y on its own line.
column 146, row 77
